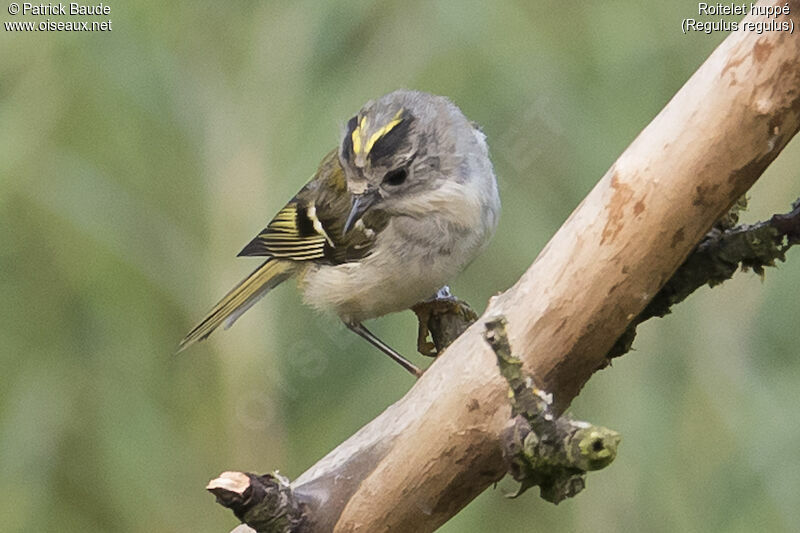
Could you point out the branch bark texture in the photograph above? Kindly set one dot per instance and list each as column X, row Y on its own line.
column 428, row 455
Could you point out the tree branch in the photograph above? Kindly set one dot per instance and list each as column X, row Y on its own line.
column 527, row 442
column 432, row 452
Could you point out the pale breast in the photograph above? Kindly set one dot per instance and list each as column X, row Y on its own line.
column 412, row 259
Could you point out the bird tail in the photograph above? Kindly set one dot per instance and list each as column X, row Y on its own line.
column 240, row 299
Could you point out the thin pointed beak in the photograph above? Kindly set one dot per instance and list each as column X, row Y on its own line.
column 360, row 204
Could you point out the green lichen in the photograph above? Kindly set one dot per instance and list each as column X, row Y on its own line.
column 553, row 453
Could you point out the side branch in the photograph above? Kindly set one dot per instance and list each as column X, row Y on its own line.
column 717, row 258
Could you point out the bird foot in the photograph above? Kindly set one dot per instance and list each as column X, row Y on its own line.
column 443, row 317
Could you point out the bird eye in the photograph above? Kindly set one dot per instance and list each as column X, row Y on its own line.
column 395, row 177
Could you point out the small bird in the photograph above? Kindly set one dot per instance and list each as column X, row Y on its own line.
column 406, row 201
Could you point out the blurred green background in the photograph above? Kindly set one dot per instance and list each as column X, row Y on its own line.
column 134, row 165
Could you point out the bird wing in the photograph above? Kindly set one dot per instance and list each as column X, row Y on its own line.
column 310, row 227
column 240, row 299
column 290, row 235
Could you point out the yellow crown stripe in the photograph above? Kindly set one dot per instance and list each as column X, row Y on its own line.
column 384, row 130
column 358, row 134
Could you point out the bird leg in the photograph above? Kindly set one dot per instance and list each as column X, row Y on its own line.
column 382, row 346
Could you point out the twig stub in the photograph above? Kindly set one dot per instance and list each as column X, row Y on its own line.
column 265, row 503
